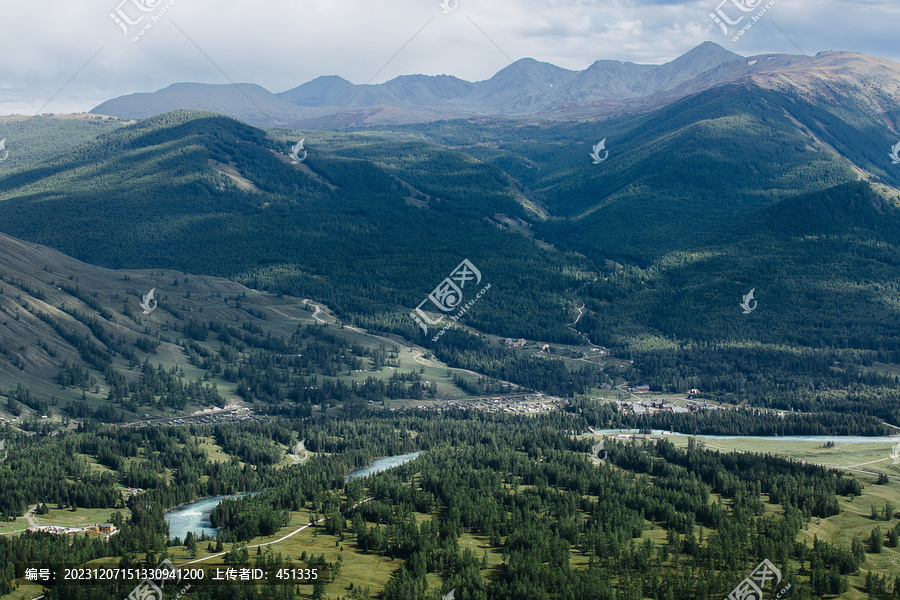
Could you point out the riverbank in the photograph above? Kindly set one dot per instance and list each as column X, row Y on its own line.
column 382, row 464
column 194, row 516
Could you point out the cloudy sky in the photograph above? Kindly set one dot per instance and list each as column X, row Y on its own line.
column 62, row 56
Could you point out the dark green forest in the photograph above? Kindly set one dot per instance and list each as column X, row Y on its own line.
column 659, row 244
column 565, row 525
column 282, row 352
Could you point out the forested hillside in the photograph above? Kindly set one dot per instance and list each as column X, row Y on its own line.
column 31, row 140
column 651, row 520
column 651, row 251
column 340, row 228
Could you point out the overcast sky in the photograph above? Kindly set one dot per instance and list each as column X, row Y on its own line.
column 78, row 48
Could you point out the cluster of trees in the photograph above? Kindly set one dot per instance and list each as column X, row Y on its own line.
column 820, row 251
column 25, row 137
column 22, row 395
column 249, row 519
column 160, row 389
column 466, row 350
column 528, row 492
column 53, row 473
column 534, row 494
column 758, row 422
column 524, row 484
column 328, row 236
column 743, row 421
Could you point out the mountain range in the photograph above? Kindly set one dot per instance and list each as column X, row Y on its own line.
column 472, row 279
column 779, row 181
column 525, row 89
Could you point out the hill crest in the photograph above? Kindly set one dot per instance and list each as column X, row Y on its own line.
column 527, row 89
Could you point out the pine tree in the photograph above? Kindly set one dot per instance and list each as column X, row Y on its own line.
column 875, row 541
column 857, row 549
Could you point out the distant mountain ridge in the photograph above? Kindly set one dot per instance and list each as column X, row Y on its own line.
column 780, row 184
column 526, row 89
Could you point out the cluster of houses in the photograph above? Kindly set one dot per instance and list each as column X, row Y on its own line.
column 130, row 492
column 527, row 405
column 653, row 405
column 105, row 529
column 4, row 421
column 236, row 416
column 645, row 389
column 511, row 343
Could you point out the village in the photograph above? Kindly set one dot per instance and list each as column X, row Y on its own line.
column 103, row 529
column 529, row 404
column 238, row 415
column 650, row 406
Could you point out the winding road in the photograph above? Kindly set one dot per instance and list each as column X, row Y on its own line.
column 575, row 322
column 809, row 462
column 29, row 516
column 290, row 535
column 853, row 468
column 418, row 357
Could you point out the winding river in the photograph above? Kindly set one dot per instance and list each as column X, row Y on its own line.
column 195, row 516
column 382, row 464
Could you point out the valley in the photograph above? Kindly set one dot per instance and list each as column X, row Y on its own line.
column 633, row 339
column 48, row 312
